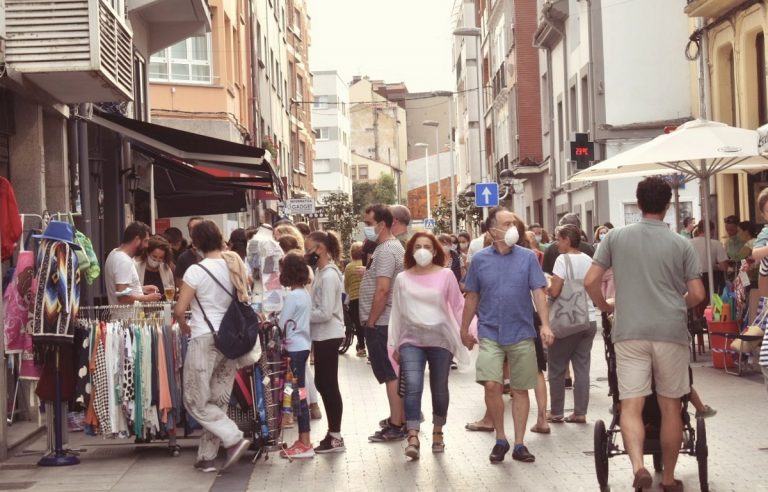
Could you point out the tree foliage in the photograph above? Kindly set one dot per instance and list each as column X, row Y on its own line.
column 468, row 216
column 341, row 217
column 366, row 193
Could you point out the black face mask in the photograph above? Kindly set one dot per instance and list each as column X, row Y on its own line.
column 312, row 259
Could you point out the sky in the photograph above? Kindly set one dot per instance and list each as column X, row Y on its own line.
column 394, row 40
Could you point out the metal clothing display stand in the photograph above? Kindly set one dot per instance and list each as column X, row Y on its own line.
column 59, row 456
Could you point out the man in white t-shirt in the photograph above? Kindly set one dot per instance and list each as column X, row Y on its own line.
column 476, row 244
column 719, row 257
column 120, row 276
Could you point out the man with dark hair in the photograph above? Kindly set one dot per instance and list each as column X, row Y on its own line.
column 375, row 306
column 121, row 279
column 688, row 224
column 551, row 254
column 499, row 285
column 734, row 243
column 188, row 257
column 657, row 281
column 177, row 242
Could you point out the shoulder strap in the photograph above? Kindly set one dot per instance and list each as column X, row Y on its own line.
column 205, row 316
column 568, row 267
column 217, row 281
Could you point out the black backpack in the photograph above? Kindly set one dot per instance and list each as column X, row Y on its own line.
column 239, row 329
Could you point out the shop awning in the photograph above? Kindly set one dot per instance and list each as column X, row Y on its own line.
column 185, row 151
column 181, row 194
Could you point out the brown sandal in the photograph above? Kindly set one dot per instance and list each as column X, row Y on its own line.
column 675, row 487
column 412, row 450
column 576, row 419
column 643, row 479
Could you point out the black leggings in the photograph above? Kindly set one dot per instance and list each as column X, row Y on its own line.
column 327, row 380
column 354, row 314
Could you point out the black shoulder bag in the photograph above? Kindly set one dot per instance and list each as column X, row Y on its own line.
column 239, row 329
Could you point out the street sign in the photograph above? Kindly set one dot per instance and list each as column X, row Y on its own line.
column 429, row 223
column 302, row 206
column 487, row 195
column 582, row 151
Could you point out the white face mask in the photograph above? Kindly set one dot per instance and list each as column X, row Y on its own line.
column 464, row 246
column 423, row 257
column 153, row 263
column 538, row 238
column 512, row 236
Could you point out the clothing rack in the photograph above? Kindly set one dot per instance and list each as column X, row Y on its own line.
column 137, row 311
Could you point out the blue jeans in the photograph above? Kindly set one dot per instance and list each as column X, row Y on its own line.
column 413, row 362
column 300, row 405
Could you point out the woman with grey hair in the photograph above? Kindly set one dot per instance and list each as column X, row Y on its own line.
column 576, row 348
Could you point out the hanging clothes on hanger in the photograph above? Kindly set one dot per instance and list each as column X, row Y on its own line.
column 10, row 220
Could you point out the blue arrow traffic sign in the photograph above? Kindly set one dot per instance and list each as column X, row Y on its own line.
column 487, row 195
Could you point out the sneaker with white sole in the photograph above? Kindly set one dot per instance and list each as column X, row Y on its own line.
column 707, row 412
column 205, row 466
column 330, row 445
column 297, row 451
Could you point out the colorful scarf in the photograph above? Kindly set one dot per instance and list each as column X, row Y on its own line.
column 58, row 294
column 19, row 301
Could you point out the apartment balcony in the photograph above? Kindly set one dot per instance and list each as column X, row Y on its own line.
column 710, row 8
column 169, row 21
column 75, row 50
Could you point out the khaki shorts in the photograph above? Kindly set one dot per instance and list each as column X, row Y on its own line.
column 639, row 361
column 522, row 363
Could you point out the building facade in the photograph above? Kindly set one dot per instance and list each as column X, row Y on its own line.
column 729, row 55
column 330, row 117
column 60, row 69
column 603, row 89
column 378, row 135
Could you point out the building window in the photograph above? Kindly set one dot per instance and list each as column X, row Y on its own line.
column 344, row 138
column 186, row 61
column 574, row 103
column 585, row 104
column 297, row 22
column 302, row 156
column 322, row 133
column 545, row 104
column 322, row 166
column 560, row 124
column 762, row 103
column 299, row 88
column 321, row 102
column 362, row 172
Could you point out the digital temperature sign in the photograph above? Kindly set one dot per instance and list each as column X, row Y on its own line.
column 582, row 151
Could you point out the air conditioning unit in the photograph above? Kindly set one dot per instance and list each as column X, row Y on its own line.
column 84, row 110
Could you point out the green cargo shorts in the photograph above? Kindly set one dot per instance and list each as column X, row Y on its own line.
column 522, row 363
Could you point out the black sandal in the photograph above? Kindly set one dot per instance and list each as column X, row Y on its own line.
column 174, row 450
column 438, row 447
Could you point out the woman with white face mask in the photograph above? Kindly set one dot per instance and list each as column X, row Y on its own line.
column 427, row 306
column 452, row 257
column 155, row 267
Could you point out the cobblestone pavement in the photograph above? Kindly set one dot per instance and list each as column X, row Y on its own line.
column 737, row 437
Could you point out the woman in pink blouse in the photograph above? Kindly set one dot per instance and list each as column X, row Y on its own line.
column 427, row 307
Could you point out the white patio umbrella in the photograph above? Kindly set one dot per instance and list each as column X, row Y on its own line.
column 697, row 149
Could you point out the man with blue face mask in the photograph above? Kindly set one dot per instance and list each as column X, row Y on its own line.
column 500, row 283
column 375, row 305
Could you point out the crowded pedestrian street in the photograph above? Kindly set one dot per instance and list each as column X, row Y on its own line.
column 345, row 245
column 738, row 449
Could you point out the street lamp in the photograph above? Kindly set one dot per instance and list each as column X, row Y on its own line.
column 426, row 174
column 476, row 32
column 436, row 126
column 449, row 94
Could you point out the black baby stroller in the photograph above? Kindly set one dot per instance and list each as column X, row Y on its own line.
column 694, row 441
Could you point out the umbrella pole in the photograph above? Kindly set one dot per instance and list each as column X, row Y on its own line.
column 677, row 205
column 708, row 234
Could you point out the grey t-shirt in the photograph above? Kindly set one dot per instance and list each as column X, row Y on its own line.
column 651, row 268
column 387, row 261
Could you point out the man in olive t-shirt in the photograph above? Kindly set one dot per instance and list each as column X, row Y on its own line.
column 657, row 279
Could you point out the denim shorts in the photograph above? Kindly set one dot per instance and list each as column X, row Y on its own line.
column 376, row 339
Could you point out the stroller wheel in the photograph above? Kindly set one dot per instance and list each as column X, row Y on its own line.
column 702, row 452
column 658, row 465
column 601, row 454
